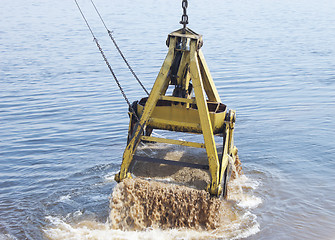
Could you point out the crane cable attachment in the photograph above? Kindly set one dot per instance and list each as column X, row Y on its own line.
column 109, row 66
column 184, row 17
column 119, row 50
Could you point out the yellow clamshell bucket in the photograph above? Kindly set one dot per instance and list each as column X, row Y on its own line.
column 184, row 69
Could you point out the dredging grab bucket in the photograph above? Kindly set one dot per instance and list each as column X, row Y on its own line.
column 193, row 107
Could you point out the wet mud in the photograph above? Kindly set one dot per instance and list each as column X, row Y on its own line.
column 138, row 204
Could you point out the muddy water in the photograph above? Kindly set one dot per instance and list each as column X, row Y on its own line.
column 140, row 204
column 171, row 201
column 156, row 209
column 63, row 123
column 164, row 196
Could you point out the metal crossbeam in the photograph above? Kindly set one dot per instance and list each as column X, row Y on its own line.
column 170, row 162
column 173, row 141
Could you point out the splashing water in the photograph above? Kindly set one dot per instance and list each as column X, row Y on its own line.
column 143, row 209
column 164, row 206
column 101, row 231
column 138, row 204
column 236, row 185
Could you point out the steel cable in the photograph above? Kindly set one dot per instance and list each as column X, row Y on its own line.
column 117, row 47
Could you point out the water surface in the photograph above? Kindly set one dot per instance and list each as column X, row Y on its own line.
column 63, row 122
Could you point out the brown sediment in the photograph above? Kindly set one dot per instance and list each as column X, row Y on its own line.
column 189, row 176
column 238, row 168
column 138, row 204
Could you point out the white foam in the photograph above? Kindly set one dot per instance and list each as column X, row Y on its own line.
column 246, row 182
column 100, row 231
column 64, row 198
column 245, row 226
column 110, row 176
column 248, row 201
column 77, row 213
column 241, row 191
column 248, row 232
column 7, row 237
column 164, row 180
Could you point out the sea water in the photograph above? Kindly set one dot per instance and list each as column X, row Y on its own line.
column 63, row 122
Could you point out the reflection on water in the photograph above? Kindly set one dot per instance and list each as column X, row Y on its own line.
column 63, row 123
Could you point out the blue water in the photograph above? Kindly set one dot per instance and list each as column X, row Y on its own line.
column 63, row 122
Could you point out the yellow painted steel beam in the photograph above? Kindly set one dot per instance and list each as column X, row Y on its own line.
column 173, row 141
column 228, row 149
column 188, row 34
column 174, row 125
column 208, row 82
column 130, row 127
column 177, row 99
column 231, row 130
column 225, row 156
column 155, row 94
column 213, row 161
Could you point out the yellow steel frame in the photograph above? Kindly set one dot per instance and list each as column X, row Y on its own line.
column 173, row 141
column 192, row 67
